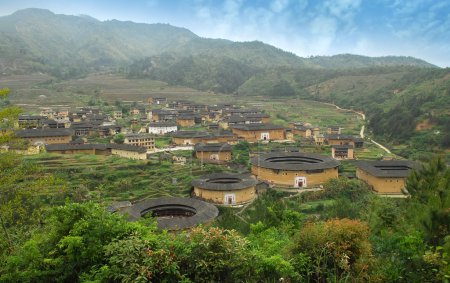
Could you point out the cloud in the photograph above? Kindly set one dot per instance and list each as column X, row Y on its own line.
column 203, row 13
column 323, row 26
column 279, row 5
column 344, row 10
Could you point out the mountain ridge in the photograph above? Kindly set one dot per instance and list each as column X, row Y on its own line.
column 39, row 37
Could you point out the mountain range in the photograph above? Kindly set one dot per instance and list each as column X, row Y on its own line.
column 35, row 37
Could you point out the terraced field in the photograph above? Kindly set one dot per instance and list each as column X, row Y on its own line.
column 107, row 178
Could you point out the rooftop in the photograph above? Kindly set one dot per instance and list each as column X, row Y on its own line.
column 257, row 127
column 190, row 134
column 31, row 117
column 388, row 168
column 294, row 161
column 163, row 124
column 127, row 147
column 237, row 119
column 37, row 133
column 339, row 137
column 225, row 181
column 174, row 213
column 212, row 147
column 87, row 146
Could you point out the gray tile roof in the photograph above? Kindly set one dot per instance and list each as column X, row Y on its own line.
column 257, row 127
column 388, row 168
column 38, row 133
column 162, row 124
column 294, row 161
column 204, row 212
column 225, row 181
column 216, row 147
column 87, row 146
column 190, row 134
column 31, row 117
column 339, row 137
column 127, row 147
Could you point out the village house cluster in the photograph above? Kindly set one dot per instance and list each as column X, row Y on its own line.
column 210, row 131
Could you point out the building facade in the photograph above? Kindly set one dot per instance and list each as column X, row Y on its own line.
column 225, row 188
column 294, row 169
column 189, row 137
column 342, row 152
column 259, row 132
column 45, row 136
column 385, row 176
column 141, row 140
column 162, row 128
column 217, row 153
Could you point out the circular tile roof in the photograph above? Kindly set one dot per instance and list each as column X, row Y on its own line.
column 294, row 161
column 199, row 212
column 224, row 181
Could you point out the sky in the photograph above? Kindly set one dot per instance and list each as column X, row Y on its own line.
column 417, row 28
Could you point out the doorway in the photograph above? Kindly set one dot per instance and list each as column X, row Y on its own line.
column 230, row 199
column 300, row 182
column 265, row 136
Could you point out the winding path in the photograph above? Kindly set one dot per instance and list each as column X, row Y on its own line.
column 361, row 132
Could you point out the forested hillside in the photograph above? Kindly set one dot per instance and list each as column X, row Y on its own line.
column 69, row 46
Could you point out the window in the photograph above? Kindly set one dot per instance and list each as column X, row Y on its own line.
column 314, row 171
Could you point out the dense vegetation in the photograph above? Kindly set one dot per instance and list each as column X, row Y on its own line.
column 344, row 233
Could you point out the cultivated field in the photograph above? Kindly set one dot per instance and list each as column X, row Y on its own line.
column 108, row 178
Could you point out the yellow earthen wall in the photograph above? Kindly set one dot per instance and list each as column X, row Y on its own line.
column 74, row 151
column 185, row 123
column 304, row 134
column 287, row 177
column 182, row 141
column 265, row 120
column 253, row 136
column 242, row 196
column 205, row 156
column 50, row 140
column 382, row 185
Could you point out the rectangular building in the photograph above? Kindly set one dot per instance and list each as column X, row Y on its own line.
column 385, row 176
column 259, row 132
column 45, row 136
column 141, row 140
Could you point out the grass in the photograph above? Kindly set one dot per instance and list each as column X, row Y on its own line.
column 162, row 142
column 107, row 178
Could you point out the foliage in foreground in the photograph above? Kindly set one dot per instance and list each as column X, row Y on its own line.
column 351, row 235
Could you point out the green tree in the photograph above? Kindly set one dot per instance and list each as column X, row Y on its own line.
column 8, row 117
column 215, row 255
column 282, row 88
column 332, row 250
column 430, row 200
column 119, row 138
column 268, row 249
column 71, row 242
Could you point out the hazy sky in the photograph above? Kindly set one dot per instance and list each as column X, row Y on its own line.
column 418, row 28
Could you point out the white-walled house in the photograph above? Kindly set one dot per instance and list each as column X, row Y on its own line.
column 162, row 128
